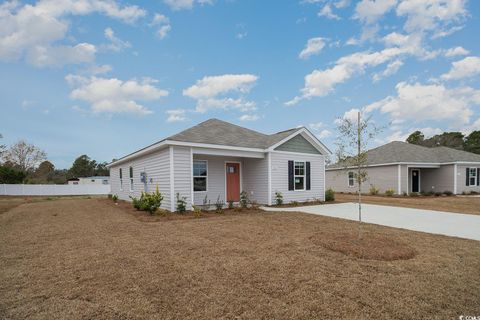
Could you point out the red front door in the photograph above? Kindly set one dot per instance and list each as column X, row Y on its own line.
column 233, row 182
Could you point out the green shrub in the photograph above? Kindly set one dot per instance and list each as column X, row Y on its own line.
column 374, row 190
column 413, row 194
column 206, row 204
column 448, row 193
column 148, row 201
column 181, row 203
column 278, row 198
column 294, row 203
column 115, row 198
column 330, row 195
column 243, row 199
column 405, row 194
column 438, row 194
column 109, row 196
column 219, row 205
column 230, row 204
column 389, row 192
column 197, row 212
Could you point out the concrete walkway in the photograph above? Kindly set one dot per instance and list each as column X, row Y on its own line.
column 447, row 223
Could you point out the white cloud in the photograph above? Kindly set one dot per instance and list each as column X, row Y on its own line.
column 425, row 15
column 176, row 115
column 351, row 115
column 465, row 68
column 369, row 11
column 185, row 4
column 342, row 4
column 319, row 129
column 316, row 126
column 116, row 44
column 210, row 92
column 418, row 102
column 400, row 135
column 391, row 69
column 34, row 31
column 111, row 95
column 249, row 117
column 314, row 46
column 163, row 24
column 457, row 51
column 324, row 134
column 327, row 12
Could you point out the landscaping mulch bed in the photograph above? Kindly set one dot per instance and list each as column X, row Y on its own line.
column 164, row 215
column 89, row 259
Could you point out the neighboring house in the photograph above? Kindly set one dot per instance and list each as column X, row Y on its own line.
column 219, row 160
column 407, row 168
column 95, row 180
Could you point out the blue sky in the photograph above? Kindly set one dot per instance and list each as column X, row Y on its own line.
column 105, row 78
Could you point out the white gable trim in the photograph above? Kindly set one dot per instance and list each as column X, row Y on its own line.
column 307, row 135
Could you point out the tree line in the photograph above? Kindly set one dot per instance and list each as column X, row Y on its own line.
column 24, row 162
column 455, row 140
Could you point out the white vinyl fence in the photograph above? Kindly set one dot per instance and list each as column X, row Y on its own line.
column 52, row 189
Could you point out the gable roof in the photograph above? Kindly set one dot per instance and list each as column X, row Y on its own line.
column 224, row 134
column 396, row 151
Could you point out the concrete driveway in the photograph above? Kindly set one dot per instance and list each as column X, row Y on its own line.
column 447, row 223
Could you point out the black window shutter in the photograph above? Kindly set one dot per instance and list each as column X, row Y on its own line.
column 467, row 174
column 290, row 175
column 307, row 172
column 478, row 176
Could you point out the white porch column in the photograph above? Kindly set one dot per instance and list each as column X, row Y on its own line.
column 269, row 155
column 455, row 177
column 399, row 177
column 172, row 180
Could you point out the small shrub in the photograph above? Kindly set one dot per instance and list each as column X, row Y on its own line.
column 294, row 203
column 115, row 198
column 219, row 205
column 181, row 203
column 278, row 198
column 148, row 201
column 374, row 190
column 243, row 199
column 448, row 193
column 405, row 194
column 206, row 203
column 254, row 205
column 473, row 192
column 431, row 193
column 109, row 196
column 230, row 204
column 438, row 194
column 197, row 212
column 330, row 195
column 413, row 194
column 464, row 193
column 389, row 192
column 135, row 202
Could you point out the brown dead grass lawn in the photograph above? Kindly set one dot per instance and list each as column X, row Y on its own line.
column 84, row 259
column 470, row 205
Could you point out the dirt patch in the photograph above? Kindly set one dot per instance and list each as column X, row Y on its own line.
column 84, row 259
column 164, row 215
column 469, row 205
column 370, row 246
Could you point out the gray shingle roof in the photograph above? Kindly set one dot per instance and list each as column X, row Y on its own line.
column 397, row 151
column 214, row 131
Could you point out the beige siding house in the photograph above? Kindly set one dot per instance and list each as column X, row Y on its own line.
column 408, row 168
column 218, row 160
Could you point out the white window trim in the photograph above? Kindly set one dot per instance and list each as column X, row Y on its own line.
column 194, row 176
column 470, row 176
column 130, row 175
column 353, row 179
column 299, row 175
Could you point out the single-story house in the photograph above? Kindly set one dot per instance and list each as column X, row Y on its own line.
column 94, row 180
column 218, row 160
column 407, row 168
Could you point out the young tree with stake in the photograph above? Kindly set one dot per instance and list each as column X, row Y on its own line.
column 352, row 142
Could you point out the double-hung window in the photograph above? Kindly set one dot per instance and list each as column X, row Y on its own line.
column 200, row 174
column 121, row 178
column 131, row 178
column 299, row 175
column 473, row 177
column 351, row 179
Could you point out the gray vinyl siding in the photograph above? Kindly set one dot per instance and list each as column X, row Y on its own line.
column 255, row 179
column 298, row 144
column 279, row 163
column 156, row 165
column 182, row 174
column 437, row 179
column 382, row 177
column 461, row 179
column 215, row 178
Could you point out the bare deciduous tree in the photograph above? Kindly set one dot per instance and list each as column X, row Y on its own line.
column 352, row 142
column 25, row 156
